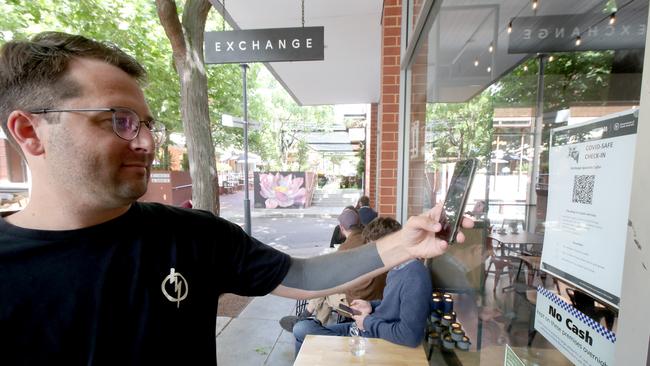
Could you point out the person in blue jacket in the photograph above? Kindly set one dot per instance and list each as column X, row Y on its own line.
column 401, row 316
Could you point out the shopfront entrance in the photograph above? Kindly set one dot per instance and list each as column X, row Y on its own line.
column 547, row 95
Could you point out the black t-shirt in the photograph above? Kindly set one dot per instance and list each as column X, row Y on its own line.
column 139, row 289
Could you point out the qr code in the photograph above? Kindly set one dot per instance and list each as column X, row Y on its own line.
column 583, row 188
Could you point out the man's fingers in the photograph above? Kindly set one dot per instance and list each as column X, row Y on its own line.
column 425, row 222
column 467, row 223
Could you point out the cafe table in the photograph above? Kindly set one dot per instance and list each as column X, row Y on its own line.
column 523, row 242
column 334, row 350
column 519, row 246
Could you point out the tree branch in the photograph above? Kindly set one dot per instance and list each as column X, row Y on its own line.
column 168, row 15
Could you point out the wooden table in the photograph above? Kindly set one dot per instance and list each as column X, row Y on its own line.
column 332, row 350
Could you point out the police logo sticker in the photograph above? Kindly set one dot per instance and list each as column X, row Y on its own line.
column 177, row 285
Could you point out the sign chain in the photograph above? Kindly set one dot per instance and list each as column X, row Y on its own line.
column 223, row 16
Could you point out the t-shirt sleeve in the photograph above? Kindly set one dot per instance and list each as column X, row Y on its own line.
column 247, row 266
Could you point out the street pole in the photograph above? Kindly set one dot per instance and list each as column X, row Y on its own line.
column 247, row 201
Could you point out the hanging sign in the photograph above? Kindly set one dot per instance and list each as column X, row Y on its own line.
column 577, row 336
column 265, row 45
column 590, row 181
column 558, row 33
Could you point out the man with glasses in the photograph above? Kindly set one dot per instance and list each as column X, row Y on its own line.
column 90, row 276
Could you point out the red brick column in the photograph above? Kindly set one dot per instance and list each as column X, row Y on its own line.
column 11, row 163
column 389, row 107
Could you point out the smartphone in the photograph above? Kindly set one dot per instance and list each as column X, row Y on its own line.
column 348, row 311
column 452, row 209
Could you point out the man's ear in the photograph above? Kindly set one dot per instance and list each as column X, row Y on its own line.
column 22, row 126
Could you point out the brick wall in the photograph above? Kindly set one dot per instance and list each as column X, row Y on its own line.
column 11, row 164
column 4, row 168
column 388, row 109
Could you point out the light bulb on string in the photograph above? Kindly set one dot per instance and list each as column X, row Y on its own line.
column 612, row 18
column 551, row 58
column 578, row 41
column 491, row 48
column 489, row 69
column 476, row 62
column 510, row 27
column 534, row 4
column 525, row 67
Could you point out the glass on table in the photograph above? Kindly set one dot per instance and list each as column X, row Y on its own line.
column 357, row 341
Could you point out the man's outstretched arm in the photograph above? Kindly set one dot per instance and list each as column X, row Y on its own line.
column 336, row 272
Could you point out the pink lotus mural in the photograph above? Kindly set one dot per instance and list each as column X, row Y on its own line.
column 282, row 190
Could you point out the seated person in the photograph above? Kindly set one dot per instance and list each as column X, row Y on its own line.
column 366, row 212
column 321, row 307
column 478, row 211
column 337, row 236
column 401, row 316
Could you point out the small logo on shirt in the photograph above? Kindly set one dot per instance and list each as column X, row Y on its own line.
column 180, row 288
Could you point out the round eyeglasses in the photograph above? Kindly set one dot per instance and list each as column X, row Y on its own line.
column 126, row 123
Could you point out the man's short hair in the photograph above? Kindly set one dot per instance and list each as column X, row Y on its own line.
column 364, row 201
column 379, row 227
column 349, row 219
column 33, row 73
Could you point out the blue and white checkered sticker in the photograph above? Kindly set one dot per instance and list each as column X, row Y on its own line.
column 609, row 335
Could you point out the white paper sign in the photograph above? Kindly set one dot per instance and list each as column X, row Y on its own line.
column 160, row 178
column 590, row 179
column 577, row 336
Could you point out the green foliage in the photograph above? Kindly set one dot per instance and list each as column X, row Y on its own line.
column 282, row 120
column 569, row 78
column 460, row 130
column 185, row 163
column 130, row 24
column 133, row 25
column 361, row 165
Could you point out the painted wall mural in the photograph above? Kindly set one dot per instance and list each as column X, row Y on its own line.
column 280, row 190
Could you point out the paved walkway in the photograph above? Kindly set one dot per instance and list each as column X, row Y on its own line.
column 255, row 336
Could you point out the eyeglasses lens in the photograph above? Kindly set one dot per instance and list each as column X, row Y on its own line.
column 126, row 124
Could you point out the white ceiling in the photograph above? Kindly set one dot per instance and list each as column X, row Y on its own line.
column 351, row 70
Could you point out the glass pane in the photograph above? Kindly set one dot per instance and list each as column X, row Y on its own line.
column 472, row 93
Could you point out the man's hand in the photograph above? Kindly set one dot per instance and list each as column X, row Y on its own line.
column 363, row 306
column 419, row 234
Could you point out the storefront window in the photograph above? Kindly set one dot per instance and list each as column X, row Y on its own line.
column 495, row 82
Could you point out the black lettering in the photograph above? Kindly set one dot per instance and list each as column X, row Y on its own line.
column 554, row 313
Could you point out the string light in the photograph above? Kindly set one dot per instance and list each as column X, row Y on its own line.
column 510, row 27
column 612, row 18
column 476, row 62
column 534, row 4
column 578, row 41
column 491, row 48
column 525, row 67
column 489, row 69
column 551, row 58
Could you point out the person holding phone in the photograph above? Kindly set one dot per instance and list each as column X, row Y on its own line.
column 399, row 318
column 372, row 289
column 90, row 275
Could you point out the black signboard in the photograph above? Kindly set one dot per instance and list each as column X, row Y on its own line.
column 558, row 33
column 265, row 45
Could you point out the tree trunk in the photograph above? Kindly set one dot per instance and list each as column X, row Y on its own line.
column 186, row 39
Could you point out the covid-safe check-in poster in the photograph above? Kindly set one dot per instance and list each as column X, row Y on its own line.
column 590, row 177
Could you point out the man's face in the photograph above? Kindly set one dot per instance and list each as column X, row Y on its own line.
column 82, row 153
